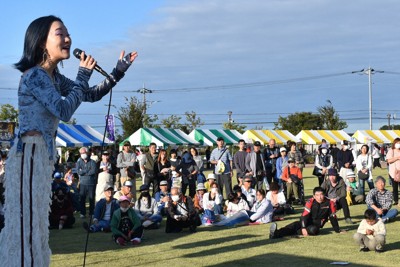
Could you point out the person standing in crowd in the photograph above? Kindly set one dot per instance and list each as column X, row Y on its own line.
column 281, row 164
column 333, row 150
column 106, row 174
column 271, row 154
column 222, row 159
column 255, row 164
column 324, row 162
column 126, row 160
column 208, row 154
column 364, row 169
column 147, row 167
column 393, row 159
column 295, row 154
column 162, row 167
column 189, row 171
column 239, row 159
column 376, row 155
column 87, row 171
column 345, row 159
column 45, row 97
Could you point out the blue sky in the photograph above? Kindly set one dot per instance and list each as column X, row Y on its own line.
column 265, row 51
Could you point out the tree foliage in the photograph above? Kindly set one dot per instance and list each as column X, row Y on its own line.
column 298, row 121
column 8, row 113
column 132, row 116
column 326, row 119
column 174, row 122
column 330, row 118
column 234, row 126
column 392, row 127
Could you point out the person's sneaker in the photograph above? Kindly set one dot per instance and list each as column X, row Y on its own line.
column 386, row 220
column 364, row 249
column 136, row 241
column 349, row 221
column 121, row 241
column 208, row 223
column 272, row 230
column 379, row 250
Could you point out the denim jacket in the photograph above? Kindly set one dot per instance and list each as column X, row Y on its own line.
column 42, row 103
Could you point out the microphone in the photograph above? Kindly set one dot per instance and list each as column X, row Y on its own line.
column 77, row 53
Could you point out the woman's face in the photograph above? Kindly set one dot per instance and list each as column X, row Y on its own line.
column 163, row 154
column 293, row 148
column 193, row 152
column 364, row 150
column 58, row 42
column 259, row 196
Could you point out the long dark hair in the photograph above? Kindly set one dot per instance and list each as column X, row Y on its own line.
column 34, row 44
column 148, row 200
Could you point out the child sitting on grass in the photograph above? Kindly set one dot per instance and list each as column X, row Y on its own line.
column 371, row 233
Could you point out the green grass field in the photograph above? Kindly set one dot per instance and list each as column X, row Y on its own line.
column 240, row 246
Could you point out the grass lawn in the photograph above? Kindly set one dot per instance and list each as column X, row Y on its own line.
column 240, row 246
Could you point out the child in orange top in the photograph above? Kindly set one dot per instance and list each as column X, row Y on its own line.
column 292, row 176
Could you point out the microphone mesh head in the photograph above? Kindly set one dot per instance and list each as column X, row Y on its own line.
column 77, row 53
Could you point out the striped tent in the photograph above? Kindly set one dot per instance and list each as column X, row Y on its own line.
column 69, row 135
column 376, row 136
column 209, row 137
column 160, row 136
column 314, row 137
column 281, row 136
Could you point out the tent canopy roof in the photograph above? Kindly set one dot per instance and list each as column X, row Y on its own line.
column 72, row 135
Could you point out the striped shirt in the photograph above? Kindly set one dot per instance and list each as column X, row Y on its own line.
column 382, row 200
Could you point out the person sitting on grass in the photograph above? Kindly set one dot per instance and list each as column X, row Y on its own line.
column 262, row 210
column 317, row 211
column 147, row 210
column 380, row 200
column 61, row 210
column 212, row 205
column 292, row 175
column 162, row 197
column 278, row 201
column 235, row 205
column 103, row 212
column 181, row 213
column 371, row 233
column 335, row 189
column 353, row 188
column 248, row 191
column 198, row 199
column 126, row 190
column 125, row 224
column 210, row 180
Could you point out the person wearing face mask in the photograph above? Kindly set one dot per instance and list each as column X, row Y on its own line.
column 393, row 159
column 125, row 224
column 345, row 159
column 180, row 212
column 212, row 205
column 87, row 171
column 323, row 162
column 61, row 210
column 146, row 209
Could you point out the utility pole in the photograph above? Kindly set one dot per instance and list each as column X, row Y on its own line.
column 230, row 117
column 144, row 91
column 369, row 72
column 389, row 116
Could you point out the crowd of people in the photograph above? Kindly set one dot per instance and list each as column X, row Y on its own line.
column 269, row 182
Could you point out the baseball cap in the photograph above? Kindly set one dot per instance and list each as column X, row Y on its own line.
column 107, row 187
column 332, row 172
column 57, row 175
column 163, row 182
column 220, row 139
column 257, row 143
column 124, row 198
column 282, row 149
column 350, row 174
column 144, row 187
column 128, row 183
